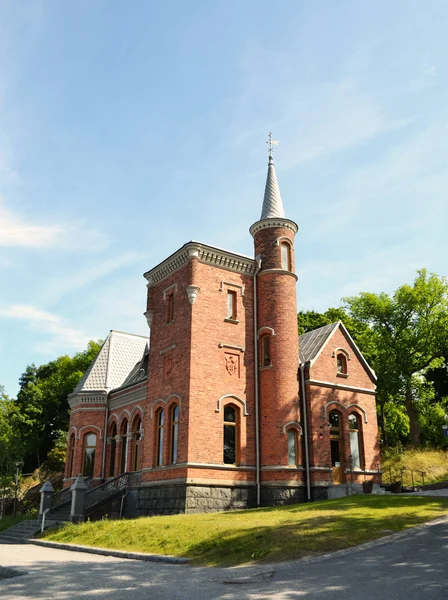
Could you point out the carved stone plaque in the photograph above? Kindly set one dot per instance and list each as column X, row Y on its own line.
column 232, row 364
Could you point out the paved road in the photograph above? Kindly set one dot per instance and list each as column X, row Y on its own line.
column 409, row 568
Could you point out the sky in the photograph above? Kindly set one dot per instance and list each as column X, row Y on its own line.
column 128, row 129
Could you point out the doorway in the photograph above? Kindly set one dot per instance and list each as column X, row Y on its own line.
column 336, row 446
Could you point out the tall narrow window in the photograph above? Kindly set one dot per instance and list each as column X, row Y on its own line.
column 89, row 455
column 292, row 448
column 231, row 305
column 266, row 351
column 355, row 445
column 124, row 446
column 174, row 433
column 112, row 449
column 71, row 455
column 169, row 308
column 342, row 364
column 230, row 435
column 160, row 428
column 136, row 443
column 336, row 447
column 286, row 256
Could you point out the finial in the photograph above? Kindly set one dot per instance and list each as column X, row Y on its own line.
column 271, row 143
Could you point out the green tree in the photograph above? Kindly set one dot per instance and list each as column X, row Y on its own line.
column 410, row 331
column 42, row 402
column 10, row 444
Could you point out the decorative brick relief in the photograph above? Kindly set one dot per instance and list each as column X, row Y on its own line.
column 232, row 364
column 168, row 365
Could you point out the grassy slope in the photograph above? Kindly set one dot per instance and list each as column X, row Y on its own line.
column 433, row 462
column 265, row 534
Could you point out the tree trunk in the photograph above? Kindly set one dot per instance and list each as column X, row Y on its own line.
column 413, row 421
column 383, row 424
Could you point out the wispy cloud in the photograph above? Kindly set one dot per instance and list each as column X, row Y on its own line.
column 19, row 231
column 59, row 333
column 16, row 231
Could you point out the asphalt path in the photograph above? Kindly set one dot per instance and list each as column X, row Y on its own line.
column 414, row 566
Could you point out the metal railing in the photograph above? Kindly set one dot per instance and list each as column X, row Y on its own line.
column 65, row 495
column 407, row 477
column 110, row 487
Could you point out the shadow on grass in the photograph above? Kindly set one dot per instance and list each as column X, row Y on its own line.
column 330, row 527
column 412, row 568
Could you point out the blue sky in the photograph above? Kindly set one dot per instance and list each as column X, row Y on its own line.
column 127, row 129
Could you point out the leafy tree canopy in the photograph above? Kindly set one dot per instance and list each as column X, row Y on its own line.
column 410, row 331
column 42, row 402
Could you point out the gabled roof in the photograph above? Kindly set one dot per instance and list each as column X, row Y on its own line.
column 313, row 342
column 272, row 201
column 139, row 373
column 114, row 363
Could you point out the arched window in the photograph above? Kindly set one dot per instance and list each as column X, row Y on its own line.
column 174, row 433
column 159, row 437
column 124, row 446
column 293, row 448
column 336, row 446
column 286, row 256
column 342, row 364
column 112, row 449
column 230, row 434
column 71, row 455
column 88, row 462
column 266, row 351
column 354, row 424
column 136, row 443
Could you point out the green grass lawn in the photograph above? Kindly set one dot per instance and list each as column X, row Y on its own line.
column 268, row 534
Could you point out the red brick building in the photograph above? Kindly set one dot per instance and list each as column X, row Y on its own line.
column 218, row 409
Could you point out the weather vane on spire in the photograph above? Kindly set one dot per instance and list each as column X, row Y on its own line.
column 271, row 143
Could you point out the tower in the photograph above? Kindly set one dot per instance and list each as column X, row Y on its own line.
column 278, row 347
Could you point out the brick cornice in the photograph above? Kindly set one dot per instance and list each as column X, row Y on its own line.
column 223, row 259
column 279, row 223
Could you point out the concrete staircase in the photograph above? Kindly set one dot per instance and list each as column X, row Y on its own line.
column 22, row 532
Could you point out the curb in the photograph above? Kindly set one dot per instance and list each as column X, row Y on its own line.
column 260, row 569
column 163, row 558
column 367, row 545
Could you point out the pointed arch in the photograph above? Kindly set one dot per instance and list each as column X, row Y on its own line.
column 233, row 397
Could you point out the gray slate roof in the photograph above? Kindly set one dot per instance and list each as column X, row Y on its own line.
column 114, row 363
column 272, row 201
column 311, row 343
column 139, row 372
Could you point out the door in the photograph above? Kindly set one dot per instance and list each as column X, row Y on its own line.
column 336, row 446
column 337, row 463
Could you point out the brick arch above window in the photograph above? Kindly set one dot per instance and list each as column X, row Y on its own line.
column 282, row 239
column 90, row 429
column 74, row 430
column 265, row 331
column 231, row 397
column 337, row 351
column 344, row 408
column 125, row 414
column 112, row 417
column 164, row 402
column 292, row 425
column 137, row 409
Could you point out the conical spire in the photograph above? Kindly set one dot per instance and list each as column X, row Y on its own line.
column 272, row 202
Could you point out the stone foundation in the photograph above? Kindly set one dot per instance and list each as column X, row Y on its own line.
column 181, row 498
column 282, row 495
